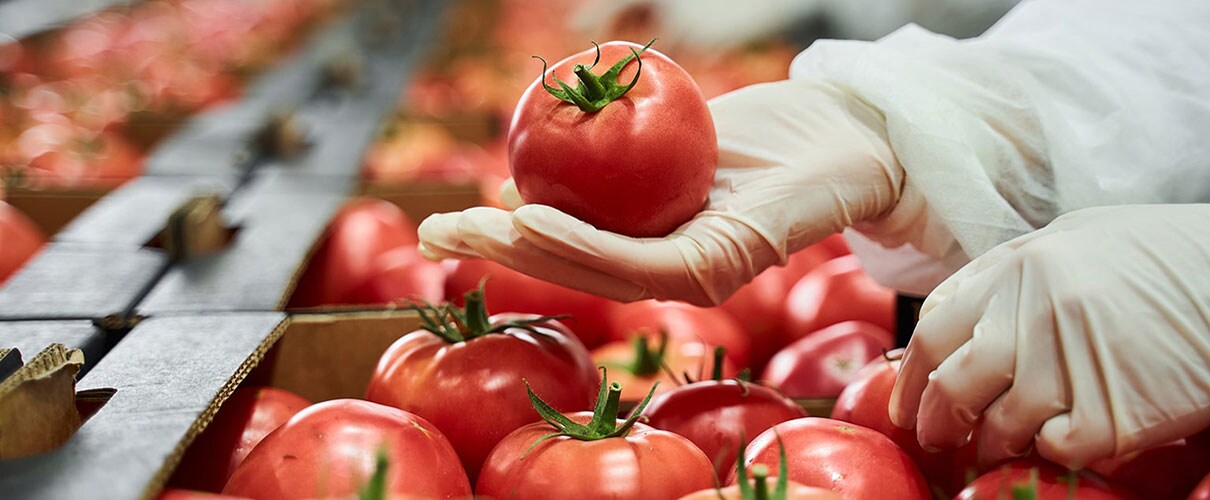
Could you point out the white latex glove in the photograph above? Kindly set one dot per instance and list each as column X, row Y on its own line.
column 798, row 161
column 1089, row 337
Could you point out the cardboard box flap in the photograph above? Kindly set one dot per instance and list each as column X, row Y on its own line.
column 338, row 132
column 170, row 376
column 34, row 336
column 38, row 403
column 10, row 361
column 75, row 281
column 135, row 213
column 279, row 221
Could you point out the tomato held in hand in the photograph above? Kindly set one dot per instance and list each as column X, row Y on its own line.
column 682, row 321
column 594, row 455
column 643, row 362
column 838, row 290
column 865, row 401
column 848, row 459
column 329, row 450
column 509, row 290
column 20, row 239
column 717, row 414
column 362, row 231
column 626, row 153
column 823, row 363
column 1052, row 482
column 243, row 421
column 466, row 375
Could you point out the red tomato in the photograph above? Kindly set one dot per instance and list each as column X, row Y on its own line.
column 644, row 464
column 836, row 244
column 689, row 323
column 1166, row 472
column 638, row 367
column 509, row 290
column 760, row 306
column 401, row 275
column 837, row 291
column 175, row 494
column 474, row 389
column 84, row 159
column 717, row 414
column 794, row 491
column 1202, row 491
column 362, row 231
column 243, row 421
column 1054, row 483
column 20, row 239
column 845, row 458
column 641, row 166
column 821, row 364
column 865, row 401
column 329, row 449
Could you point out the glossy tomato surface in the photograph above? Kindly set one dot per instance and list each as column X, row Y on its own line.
column 474, row 391
column 641, row 166
column 865, row 402
column 821, row 364
column 330, row 450
column 845, row 458
column 646, row 464
column 717, row 415
column 249, row 415
column 401, row 275
column 511, row 291
column 837, row 291
column 1202, row 491
column 1054, row 483
column 20, row 239
column 680, row 357
column 1166, row 472
column 709, row 326
column 364, row 230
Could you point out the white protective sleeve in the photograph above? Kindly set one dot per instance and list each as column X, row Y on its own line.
column 1063, row 104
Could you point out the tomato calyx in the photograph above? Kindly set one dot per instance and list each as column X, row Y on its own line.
column 1029, row 491
column 759, row 488
column 454, row 324
column 376, row 487
column 604, row 422
column 646, row 362
column 595, row 91
column 744, row 376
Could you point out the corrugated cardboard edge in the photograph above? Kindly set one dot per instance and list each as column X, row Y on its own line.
column 160, row 479
column 56, row 411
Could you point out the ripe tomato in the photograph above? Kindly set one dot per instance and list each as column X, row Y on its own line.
column 593, row 455
column 682, row 321
column 469, row 380
column 865, row 401
column 1053, row 483
column 1202, row 491
column 639, row 364
column 794, row 491
column 401, row 275
column 86, row 159
column 848, row 459
column 821, row 364
column 640, row 166
column 1165, row 472
column 328, row 450
column 509, row 290
column 362, row 231
column 837, row 291
column 717, row 414
column 20, row 239
column 249, row 415
column 175, row 494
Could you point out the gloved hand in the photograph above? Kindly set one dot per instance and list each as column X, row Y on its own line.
column 798, row 161
column 1089, row 337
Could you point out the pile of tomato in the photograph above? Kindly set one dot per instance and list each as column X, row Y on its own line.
column 82, row 104
column 516, row 388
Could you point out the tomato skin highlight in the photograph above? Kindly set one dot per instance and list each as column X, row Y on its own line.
column 641, row 166
column 837, row 291
column 1202, row 491
column 715, row 415
column 329, row 449
column 1052, row 483
column 848, row 459
column 249, row 415
column 821, row 364
column 645, row 464
column 474, row 391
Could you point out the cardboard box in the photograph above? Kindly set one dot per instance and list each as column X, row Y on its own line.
column 80, row 281
column 28, row 338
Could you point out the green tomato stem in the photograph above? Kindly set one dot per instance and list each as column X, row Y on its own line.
column 591, row 83
column 760, row 476
column 717, row 374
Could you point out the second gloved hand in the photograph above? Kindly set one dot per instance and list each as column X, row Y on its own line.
column 798, row 161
